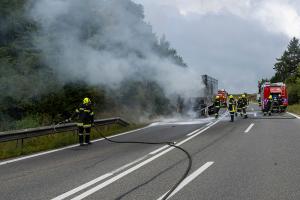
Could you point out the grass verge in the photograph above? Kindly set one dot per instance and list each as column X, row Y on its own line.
column 294, row 109
column 53, row 141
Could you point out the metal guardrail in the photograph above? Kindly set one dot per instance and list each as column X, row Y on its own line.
column 47, row 130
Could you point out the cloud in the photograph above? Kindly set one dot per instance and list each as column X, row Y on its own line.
column 234, row 41
column 279, row 16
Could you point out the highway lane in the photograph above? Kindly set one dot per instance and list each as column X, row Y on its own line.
column 47, row 176
column 228, row 163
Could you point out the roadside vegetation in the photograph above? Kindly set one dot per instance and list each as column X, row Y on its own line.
column 32, row 94
column 294, row 109
column 54, row 141
column 287, row 70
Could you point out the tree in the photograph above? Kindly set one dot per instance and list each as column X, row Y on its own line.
column 287, row 65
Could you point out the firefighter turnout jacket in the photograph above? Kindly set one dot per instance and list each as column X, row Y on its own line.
column 85, row 116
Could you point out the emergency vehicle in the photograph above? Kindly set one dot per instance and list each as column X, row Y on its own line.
column 273, row 89
column 223, row 97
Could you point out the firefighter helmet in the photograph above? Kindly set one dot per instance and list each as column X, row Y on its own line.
column 86, row 100
column 243, row 96
column 230, row 97
column 217, row 97
column 270, row 97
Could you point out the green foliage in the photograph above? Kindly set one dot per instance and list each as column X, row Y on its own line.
column 31, row 92
column 287, row 69
column 287, row 65
column 294, row 108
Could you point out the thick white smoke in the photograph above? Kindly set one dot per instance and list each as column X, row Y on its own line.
column 105, row 42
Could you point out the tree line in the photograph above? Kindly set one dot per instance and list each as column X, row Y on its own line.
column 31, row 93
column 287, row 70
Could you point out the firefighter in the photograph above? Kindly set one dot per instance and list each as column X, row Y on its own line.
column 85, row 117
column 235, row 107
column 231, row 107
column 280, row 103
column 217, row 105
column 239, row 106
column 268, row 106
column 244, row 105
column 275, row 105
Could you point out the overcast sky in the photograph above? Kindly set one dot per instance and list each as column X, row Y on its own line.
column 236, row 41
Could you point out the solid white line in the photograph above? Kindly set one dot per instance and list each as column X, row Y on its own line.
column 121, row 175
column 249, row 128
column 189, row 179
column 64, row 148
column 193, row 132
column 82, row 187
column 294, row 115
column 128, row 165
column 158, row 150
column 96, row 180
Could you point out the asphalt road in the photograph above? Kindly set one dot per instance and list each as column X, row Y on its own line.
column 254, row 158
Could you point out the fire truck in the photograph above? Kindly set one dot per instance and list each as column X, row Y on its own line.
column 223, row 97
column 273, row 89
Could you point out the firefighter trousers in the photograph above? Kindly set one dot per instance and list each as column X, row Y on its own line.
column 81, row 131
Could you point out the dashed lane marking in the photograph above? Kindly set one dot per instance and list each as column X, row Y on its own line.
column 189, row 179
column 249, row 128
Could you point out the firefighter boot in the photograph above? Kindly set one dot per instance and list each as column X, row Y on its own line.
column 87, row 139
column 81, row 139
column 232, row 117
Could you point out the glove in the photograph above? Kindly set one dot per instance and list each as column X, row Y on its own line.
column 68, row 120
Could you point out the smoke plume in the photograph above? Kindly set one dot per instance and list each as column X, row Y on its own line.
column 106, row 42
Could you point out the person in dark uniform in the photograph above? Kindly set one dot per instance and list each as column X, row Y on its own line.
column 217, row 106
column 244, row 104
column 85, row 117
column 268, row 106
column 231, row 107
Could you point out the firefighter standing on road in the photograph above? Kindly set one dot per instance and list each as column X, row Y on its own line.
column 85, row 117
column 275, row 105
column 231, row 107
column 280, row 103
column 239, row 106
column 217, row 105
column 244, row 105
column 268, row 106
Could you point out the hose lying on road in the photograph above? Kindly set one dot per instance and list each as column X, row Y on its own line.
column 171, row 144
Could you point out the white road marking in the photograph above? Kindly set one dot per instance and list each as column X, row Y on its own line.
column 130, row 170
column 189, row 179
column 64, row 148
column 96, row 180
column 252, row 109
column 158, row 150
column 255, row 114
column 249, row 128
column 297, row 116
column 193, row 132
column 82, row 187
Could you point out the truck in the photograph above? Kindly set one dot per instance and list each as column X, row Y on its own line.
column 202, row 100
column 223, row 97
column 274, row 89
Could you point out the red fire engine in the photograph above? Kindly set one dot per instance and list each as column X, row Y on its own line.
column 223, row 97
column 273, row 89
